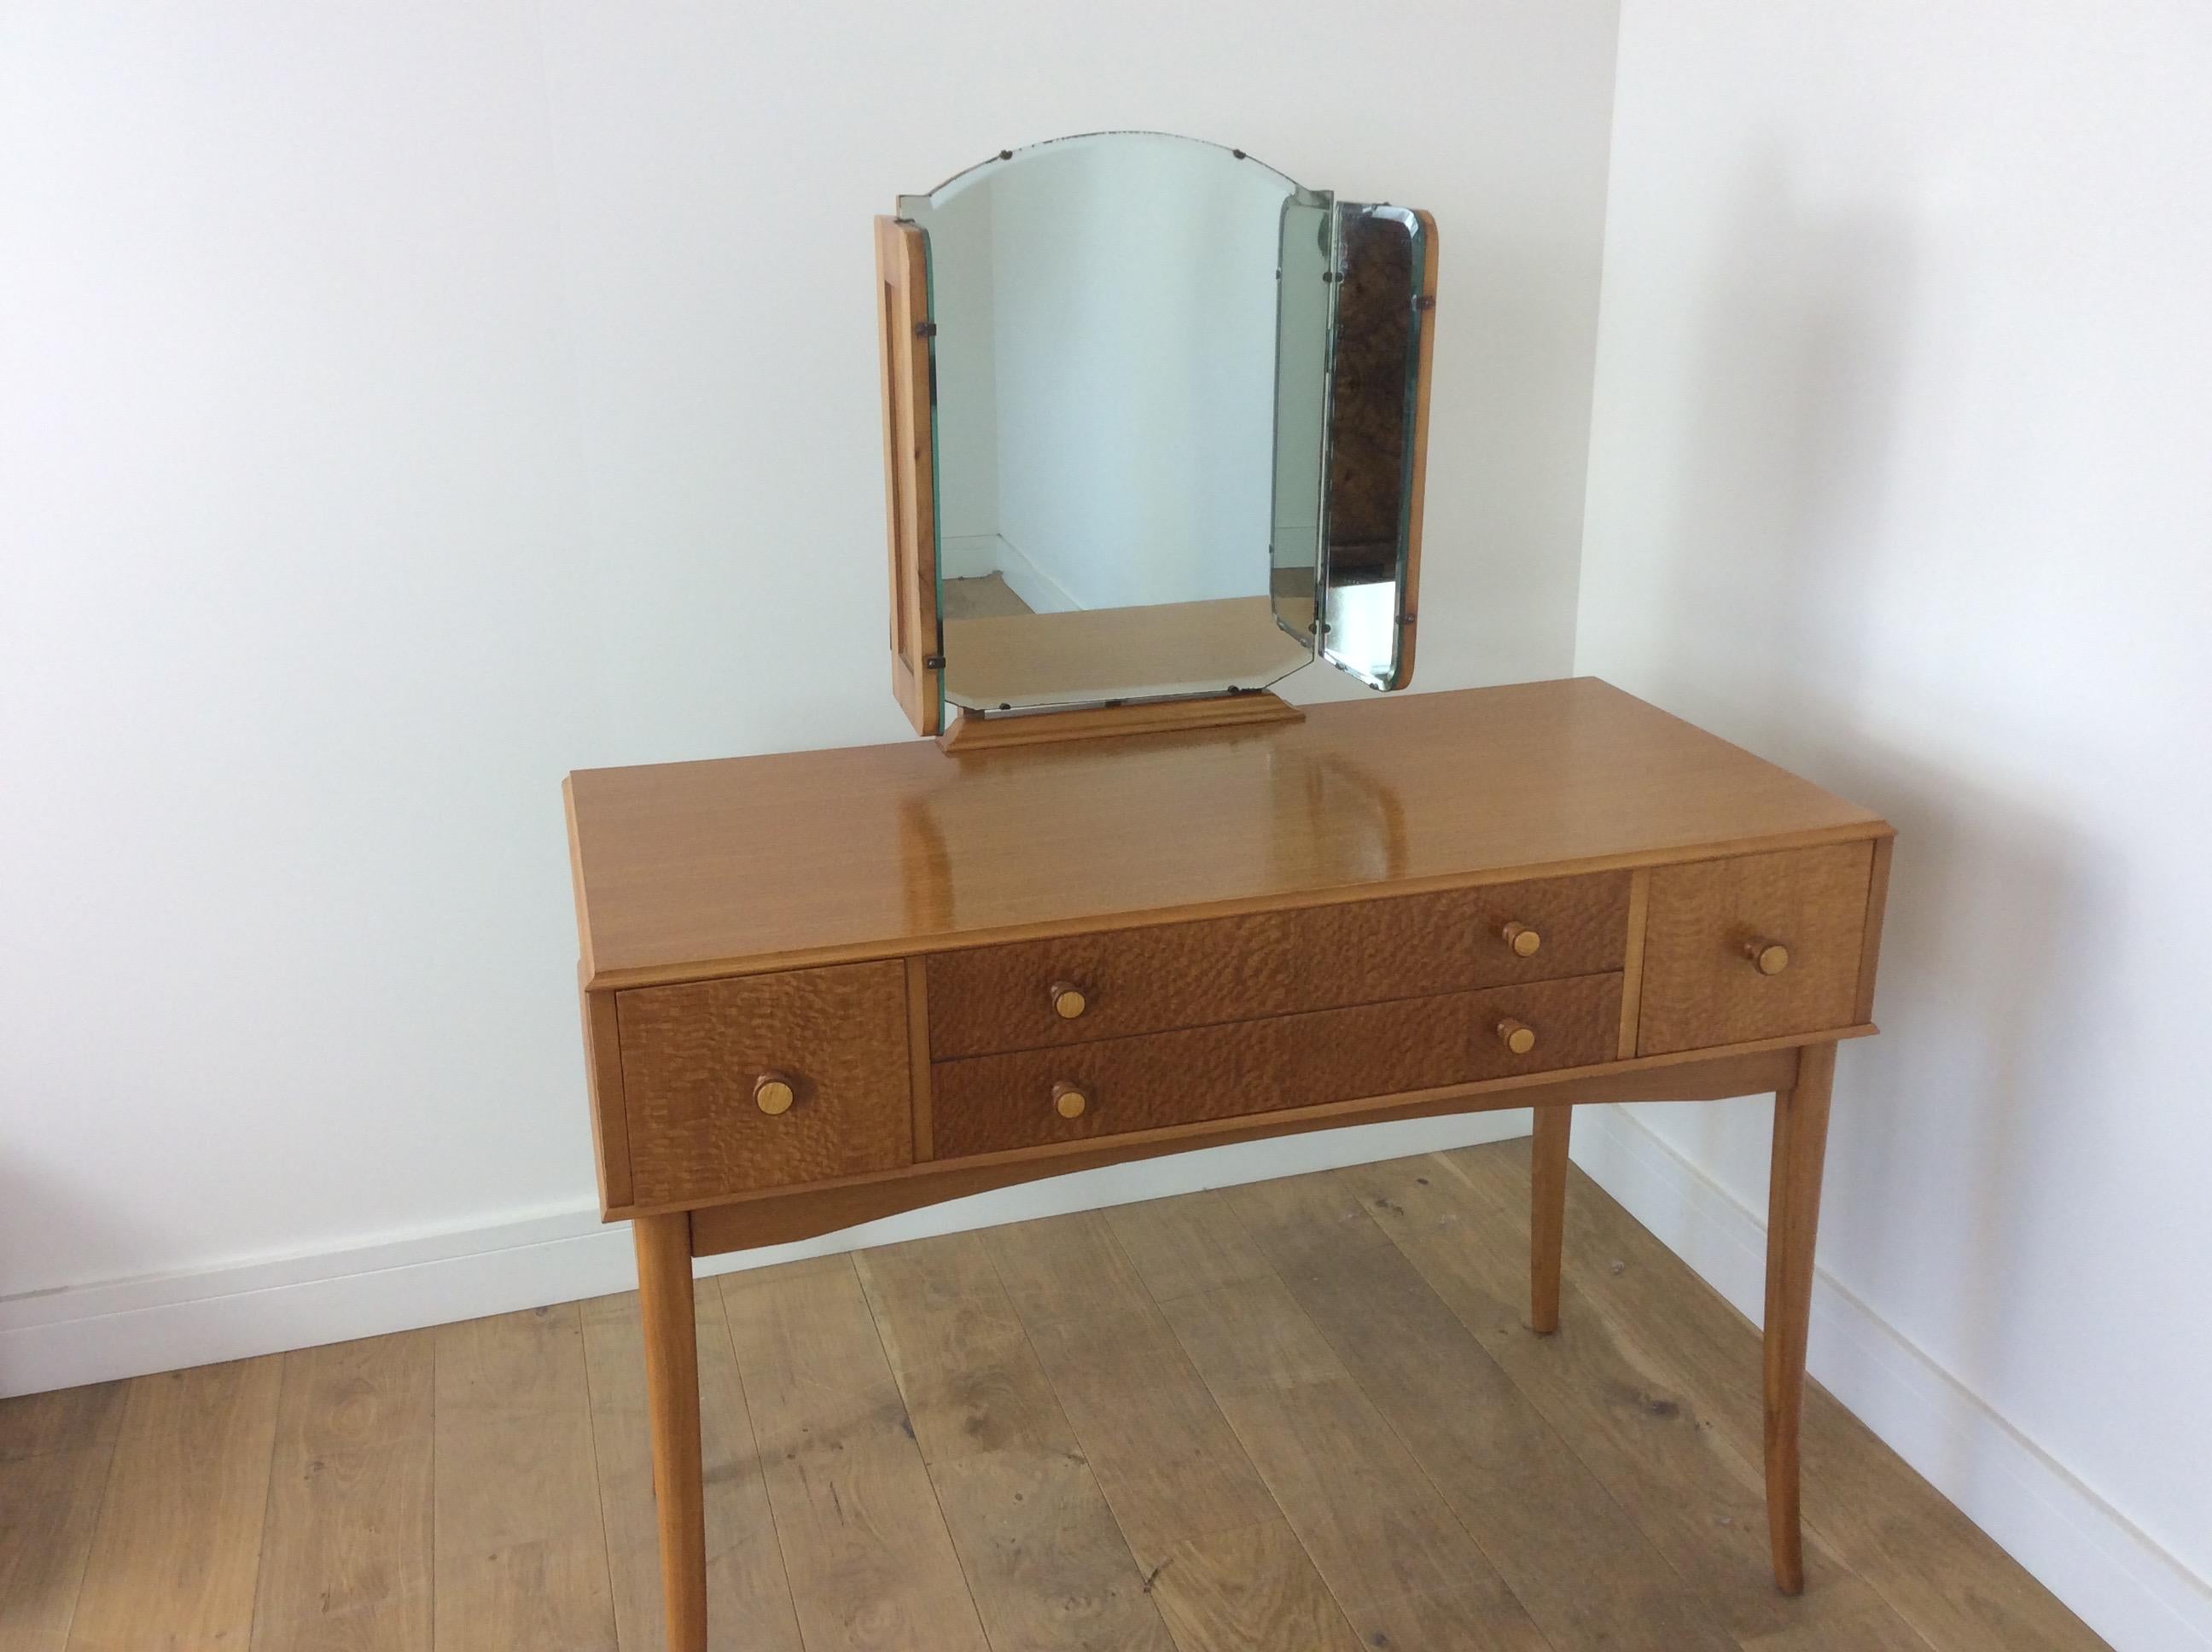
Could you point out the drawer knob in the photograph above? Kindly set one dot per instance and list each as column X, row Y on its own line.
column 1068, row 1002
column 1769, row 957
column 1069, row 1101
column 773, row 1093
column 1518, row 1036
column 1523, row 940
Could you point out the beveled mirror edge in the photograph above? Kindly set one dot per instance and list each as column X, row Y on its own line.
column 969, row 176
column 1417, row 485
column 903, row 323
column 1414, row 464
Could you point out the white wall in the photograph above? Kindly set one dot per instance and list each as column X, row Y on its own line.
column 403, row 404
column 1901, row 474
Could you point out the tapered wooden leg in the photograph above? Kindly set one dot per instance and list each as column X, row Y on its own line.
column 1793, row 1218
column 1548, row 1215
column 672, row 1389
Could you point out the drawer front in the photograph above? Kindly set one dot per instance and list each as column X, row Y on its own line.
column 1193, row 975
column 987, row 1102
column 692, row 1056
column 1702, row 987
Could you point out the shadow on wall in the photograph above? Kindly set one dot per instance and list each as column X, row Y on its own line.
column 1792, row 450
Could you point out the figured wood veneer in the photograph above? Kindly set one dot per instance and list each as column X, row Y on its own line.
column 989, row 1102
column 691, row 1054
column 1700, row 987
column 988, row 999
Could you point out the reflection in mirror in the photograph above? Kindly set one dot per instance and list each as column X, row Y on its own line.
column 1387, row 258
column 1128, row 489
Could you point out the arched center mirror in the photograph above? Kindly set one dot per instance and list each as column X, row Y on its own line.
column 1154, row 418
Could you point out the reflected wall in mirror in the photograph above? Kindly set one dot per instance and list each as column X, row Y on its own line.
column 1117, row 480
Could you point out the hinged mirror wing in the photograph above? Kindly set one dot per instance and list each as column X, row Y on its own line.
column 1385, row 338
column 909, row 384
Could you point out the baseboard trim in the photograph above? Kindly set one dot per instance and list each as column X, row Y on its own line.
column 2123, row 1584
column 129, row 1328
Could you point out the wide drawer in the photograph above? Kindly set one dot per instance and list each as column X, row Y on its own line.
column 1710, row 923
column 984, row 1103
column 695, row 1057
column 1193, row 975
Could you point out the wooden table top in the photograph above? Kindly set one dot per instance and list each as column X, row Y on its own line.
column 698, row 869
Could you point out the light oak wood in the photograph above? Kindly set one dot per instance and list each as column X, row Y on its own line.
column 837, row 1039
column 1167, row 1460
column 1870, row 946
column 347, row 1546
column 1693, row 1496
column 1753, row 945
column 1549, row 1525
column 671, row 1388
column 1547, row 1214
column 604, row 1087
column 737, row 866
column 991, row 1103
column 748, row 1600
column 1651, row 1368
column 865, row 1545
column 1956, row 1588
column 178, row 1547
column 990, row 999
column 55, row 1453
column 972, row 733
column 1047, row 1564
column 520, row 1548
column 923, row 1096
column 1402, row 1568
column 1631, row 966
column 904, row 328
column 777, row 1218
column 1303, row 925
column 1250, row 1587
column 1792, row 1216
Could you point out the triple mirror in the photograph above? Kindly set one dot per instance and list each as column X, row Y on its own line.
column 1154, row 418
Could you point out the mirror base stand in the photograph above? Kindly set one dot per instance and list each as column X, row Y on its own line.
column 973, row 731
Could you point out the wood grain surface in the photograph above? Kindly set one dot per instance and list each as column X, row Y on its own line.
column 346, row 1559
column 1300, row 1315
column 987, row 1000
column 690, row 1055
column 991, row 1102
column 692, row 870
column 178, row 1548
column 520, row 1543
column 1699, row 989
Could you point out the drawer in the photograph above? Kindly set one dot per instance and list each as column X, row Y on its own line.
column 692, row 1056
column 987, row 1102
column 1266, row 963
column 1702, row 987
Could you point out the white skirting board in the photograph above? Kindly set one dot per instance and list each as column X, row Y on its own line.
column 58, row 1338
column 2123, row 1586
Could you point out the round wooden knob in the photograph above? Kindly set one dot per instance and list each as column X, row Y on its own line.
column 773, row 1093
column 1518, row 1036
column 1523, row 940
column 1769, row 957
column 1067, row 1000
column 1069, row 1101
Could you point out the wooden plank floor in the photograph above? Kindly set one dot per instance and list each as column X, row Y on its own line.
column 1300, row 1414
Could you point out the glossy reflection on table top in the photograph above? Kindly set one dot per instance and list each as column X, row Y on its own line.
column 686, row 870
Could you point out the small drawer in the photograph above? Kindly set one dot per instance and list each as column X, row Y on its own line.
column 1709, row 925
column 701, row 1064
column 988, row 1103
column 995, row 999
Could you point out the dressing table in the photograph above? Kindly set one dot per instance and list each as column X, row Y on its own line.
column 1082, row 928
